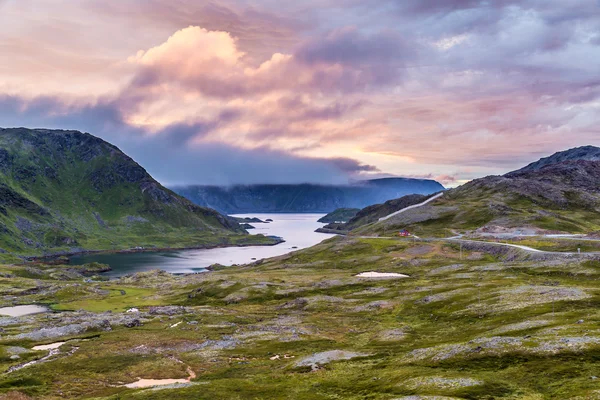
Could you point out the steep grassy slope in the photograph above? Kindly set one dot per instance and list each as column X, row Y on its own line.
column 66, row 191
column 304, row 326
column 305, row 197
column 559, row 198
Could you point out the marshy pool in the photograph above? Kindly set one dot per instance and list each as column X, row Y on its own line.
column 20, row 311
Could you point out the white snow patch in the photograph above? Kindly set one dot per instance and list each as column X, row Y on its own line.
column 50, row 346
column 373, row 274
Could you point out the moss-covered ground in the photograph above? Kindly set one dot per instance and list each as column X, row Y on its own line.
column 476, row 327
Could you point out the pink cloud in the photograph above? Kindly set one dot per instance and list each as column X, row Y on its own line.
column 366, row 80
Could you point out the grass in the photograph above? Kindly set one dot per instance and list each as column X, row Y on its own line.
column 552, row 244
column 56, row 197
column 475, row 205
column 237, row 319
column 118, row 299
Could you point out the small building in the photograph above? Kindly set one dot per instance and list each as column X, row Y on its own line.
column 404, row 233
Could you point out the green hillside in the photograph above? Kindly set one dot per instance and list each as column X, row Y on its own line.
column 485, row 323
column 558, row 198
column 371, row 214
column 66, row 191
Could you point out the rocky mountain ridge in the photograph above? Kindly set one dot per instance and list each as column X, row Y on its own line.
column 584, row 153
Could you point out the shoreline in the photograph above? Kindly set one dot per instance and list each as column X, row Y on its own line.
column 51, row 257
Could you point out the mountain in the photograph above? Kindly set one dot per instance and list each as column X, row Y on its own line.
column 372, row 213
column 67, row 191
column 558, row 194
column 304, row 197
column 585, row 153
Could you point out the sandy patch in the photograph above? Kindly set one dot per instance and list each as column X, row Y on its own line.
column 146, row 383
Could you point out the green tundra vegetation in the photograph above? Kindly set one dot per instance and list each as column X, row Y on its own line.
column 487, row 322
column 67, row 191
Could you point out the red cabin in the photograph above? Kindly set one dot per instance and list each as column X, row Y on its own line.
column 404, row 233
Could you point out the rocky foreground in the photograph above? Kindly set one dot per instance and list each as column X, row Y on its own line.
column 484, row 324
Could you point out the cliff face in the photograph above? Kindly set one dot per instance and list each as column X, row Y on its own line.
column 65, row 190
column 304, row 197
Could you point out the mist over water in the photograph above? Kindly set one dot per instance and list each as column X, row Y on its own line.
column 298, row 230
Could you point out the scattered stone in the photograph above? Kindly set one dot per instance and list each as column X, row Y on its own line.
column 317, row 360
column 392, row 335
column 169, row 310
column 446, row 269
column 520, row 326
column 133, row 323
column 298, row 304
column 442, row 383
column 15, row 350
column 375, row 305
column 228, row 342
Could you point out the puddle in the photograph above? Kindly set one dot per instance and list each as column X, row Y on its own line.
column 50, row 346
column 373, row 274
column 147, row 383
column 19, row 311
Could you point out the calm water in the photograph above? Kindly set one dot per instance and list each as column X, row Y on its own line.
column 298, row 230
column 19, row 311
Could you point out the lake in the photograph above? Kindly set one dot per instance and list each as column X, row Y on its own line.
column 19, row 311
column 298, row 230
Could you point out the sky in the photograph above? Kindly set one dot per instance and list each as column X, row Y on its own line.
column 323, row 91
